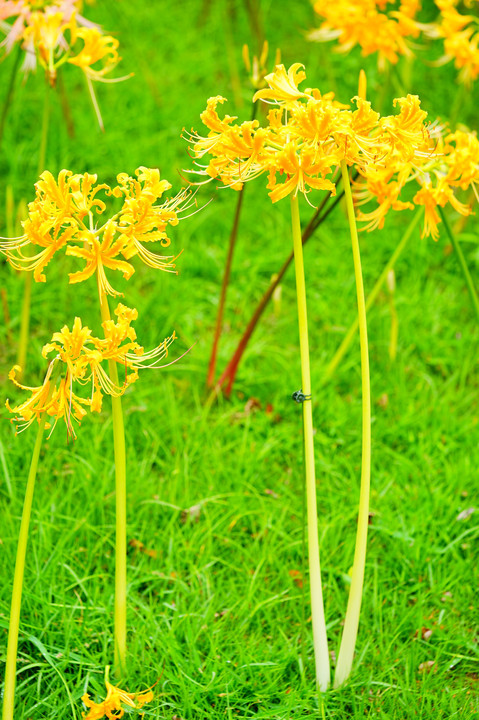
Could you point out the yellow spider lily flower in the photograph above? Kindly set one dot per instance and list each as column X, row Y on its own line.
column 461, row 40
column 97, row 48
column 406, row 131
column 66, row 215
column 63, row 404
column 283, row 85
column 307, row 138
column 451, row 166
column 111, row 706
column 309, row 135
column 367, row 23
column 81, row 355
column 49, row 34
column 100, row 255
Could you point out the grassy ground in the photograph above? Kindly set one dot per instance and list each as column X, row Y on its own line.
column 215, row 496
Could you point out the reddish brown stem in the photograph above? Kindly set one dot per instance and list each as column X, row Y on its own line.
column 67, row 115
column 229, row 373
column 226, row 278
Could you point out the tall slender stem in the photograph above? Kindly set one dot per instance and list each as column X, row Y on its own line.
column 45, row 127
column 462, row 260
column 67, row 114
column 229, row 44
column 226, row 278
column 320, row 640
column 24, row 323
column 345, row 344
column 10, row 91
column 224, row 287
column 27, row 292
column 351, row 623
column 120, row 485
column 14, row 625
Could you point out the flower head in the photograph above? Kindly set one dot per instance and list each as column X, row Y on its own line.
column 370, row 25
column 80, row 356
column 306, row 137
column 67, row 215
column 460, row 34
column 52, row 33
column 438, row 176
column 112, row 705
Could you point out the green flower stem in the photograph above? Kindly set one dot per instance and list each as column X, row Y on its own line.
column 348, row 641
column 13, row 628
column 10, row 91
column 45, row 127
column 393, row 335
column 344, row 347
column 120, row 485
column 231, row 53
column 320, row 640
column 462, row 260
column 27, row 292
column 24, row 323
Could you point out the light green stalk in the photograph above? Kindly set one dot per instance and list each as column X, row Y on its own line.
column 351, row 623
column 320, row 640
column 120, row 486
column 27, row 292
column 393, row 335
column 13, row 627
column 348, row 338
column 24, row 324
column 10, row 91
column 462, row 260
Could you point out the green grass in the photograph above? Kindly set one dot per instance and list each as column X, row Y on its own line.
column 215, row 616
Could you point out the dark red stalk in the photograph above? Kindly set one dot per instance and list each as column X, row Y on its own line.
column 229, row 373
column 224, row 287
column 67, row 115
column 226, row 278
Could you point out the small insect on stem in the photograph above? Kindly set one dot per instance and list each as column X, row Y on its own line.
column 299, row 397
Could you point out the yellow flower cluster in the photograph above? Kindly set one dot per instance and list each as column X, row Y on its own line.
column 307, row 138
column 461, row 39
column 386, row 26
column 81, row 356
column 42, row 29
column 111, row 706
column 367, row 23
column 63, row 218
column 452, row 166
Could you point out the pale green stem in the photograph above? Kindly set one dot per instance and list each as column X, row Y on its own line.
column 10, row 211
column 45, row 126
column 320, row 640
column 344, row 347
column 24, row 324
column 394, row 331
column 229, row 43
column 351, row 623
column 462, row 261
column 11, row 89
column 27, row 292
column 120, row 485
column 13, row 627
